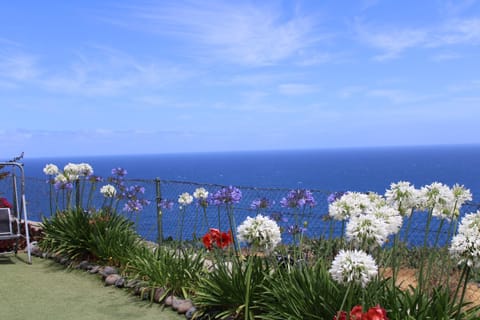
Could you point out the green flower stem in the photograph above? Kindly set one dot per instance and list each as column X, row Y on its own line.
column 407, row 230
column 425, row 240
column 233, row 228
column 347, row 293
column 248, row 284
column 437, row 237
column 205, row 218
column 465, row 276
column 90, row 194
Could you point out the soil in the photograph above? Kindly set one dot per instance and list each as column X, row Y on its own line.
column 408, row 277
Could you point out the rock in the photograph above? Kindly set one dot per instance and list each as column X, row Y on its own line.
column 111, row 279
column 83, row 265
column 94, row 269
column 35, row 251
column 64, row 261
column 159, row 295
column 190, row 312
column 169, row 300
column 108, row 270
column 183, row 306
column 120, row 283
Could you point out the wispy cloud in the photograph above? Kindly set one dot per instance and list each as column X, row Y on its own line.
column 236, row 32
column 394, row 41
column 105, row 71
column 296, row 89
column 16, row 66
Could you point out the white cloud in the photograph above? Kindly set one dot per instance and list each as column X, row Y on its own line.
column 17, row 66
column 105, row 71
column 296, row 89
column 237, row 32
column 394, row 41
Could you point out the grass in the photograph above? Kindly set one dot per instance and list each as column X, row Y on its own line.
column 46, row 290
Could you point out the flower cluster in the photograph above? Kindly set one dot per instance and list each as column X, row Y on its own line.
column 262, row 203
column 108, row 191
column 353, row 266
column 299, row 198
column 403, row 196
column 133, row 194
column 166, row 204
column 217, row 238
column 374, row 313
column 201, row 194
column 348, row 205
column 227, row 195
column 185, row 199
column 71, row 173
column 260, row 232
column 370, row 219
column 444, row 202
column 465, row 245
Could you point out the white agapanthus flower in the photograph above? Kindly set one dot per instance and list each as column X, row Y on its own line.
column 185, row 199
column 404, row 196
column 438, row 198
column 84, row 169
column 350, row 204
column 465, row 245
column 51, row 169
column 260, row 232
column 60, row 178
column 108, row 191
column 353, row 266
column 460, row 196
column 71, row 171
column 367, row 231
column 390, row 216
column 200, row 193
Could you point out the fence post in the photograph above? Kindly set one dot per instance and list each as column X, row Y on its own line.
column 158, row 199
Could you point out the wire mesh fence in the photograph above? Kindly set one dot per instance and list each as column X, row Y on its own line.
column 157, row 221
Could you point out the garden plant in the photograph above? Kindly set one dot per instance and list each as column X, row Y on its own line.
column 264, row 269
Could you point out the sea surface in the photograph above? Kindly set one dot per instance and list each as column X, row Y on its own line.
column 327, row 170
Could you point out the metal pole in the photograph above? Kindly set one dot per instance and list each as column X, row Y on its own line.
column 159, row 211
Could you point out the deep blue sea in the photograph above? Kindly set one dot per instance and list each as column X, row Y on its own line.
column 356, row 169
column 359, row 169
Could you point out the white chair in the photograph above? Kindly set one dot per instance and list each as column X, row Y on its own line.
column 7, row 230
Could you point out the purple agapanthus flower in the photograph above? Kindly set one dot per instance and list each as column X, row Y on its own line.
column 135, row 205
column 296, row 229
column 298, row 198
column 133, row 191
column 334, row 196
column 226, row 195
column 63, row 185
column 262, row 203
column 166, row 204
column 120, row 172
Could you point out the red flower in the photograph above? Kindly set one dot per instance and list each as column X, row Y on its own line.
column 375, row 313
column 220, row 239
column 4, row 203
column 342, row 315
column 356, row 313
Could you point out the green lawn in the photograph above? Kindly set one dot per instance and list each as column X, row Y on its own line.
column 46, row 290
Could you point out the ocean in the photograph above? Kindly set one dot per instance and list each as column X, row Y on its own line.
column 272, row 174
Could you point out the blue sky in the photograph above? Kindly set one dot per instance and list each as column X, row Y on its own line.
column 144, row 77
